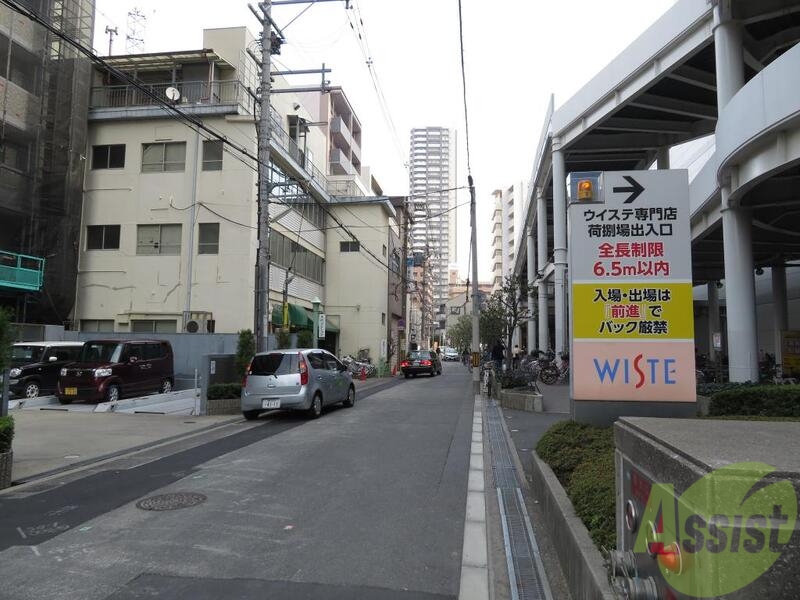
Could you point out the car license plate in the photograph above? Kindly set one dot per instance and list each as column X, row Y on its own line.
column 71, row 391
column 416, row 363
column 270, row 404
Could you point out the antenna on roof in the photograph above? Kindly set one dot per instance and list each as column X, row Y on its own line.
column 137, row 24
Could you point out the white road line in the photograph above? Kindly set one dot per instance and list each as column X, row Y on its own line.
column 22, row 533
column 474, row 584
column 35, row 550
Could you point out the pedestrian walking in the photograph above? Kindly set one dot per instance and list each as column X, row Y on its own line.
column 498, row 353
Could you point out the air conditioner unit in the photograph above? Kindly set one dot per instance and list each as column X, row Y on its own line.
column 198, row 322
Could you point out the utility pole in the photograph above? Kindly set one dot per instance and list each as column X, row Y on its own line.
column 111, row 32
column 264, row 180
column 270, row 44
column 476, row 309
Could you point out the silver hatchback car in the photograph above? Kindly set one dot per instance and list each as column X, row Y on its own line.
column 297, row 380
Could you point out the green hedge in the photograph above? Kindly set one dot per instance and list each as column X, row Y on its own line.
column 709, row 389
column 224, row 391
column 582, row 457
column 6, row 433
column 757, row 400
column 567, row 444
column 592, row 492
column 511, row 379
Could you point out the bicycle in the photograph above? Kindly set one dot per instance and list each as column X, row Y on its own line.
column 552, row 374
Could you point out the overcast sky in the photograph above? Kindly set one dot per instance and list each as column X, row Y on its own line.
column 517, row 53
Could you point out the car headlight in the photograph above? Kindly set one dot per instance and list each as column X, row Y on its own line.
column 15, row 372
column 63, row 372
column 102, row 372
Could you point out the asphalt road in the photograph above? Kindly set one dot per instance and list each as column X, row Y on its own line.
column 366, row 502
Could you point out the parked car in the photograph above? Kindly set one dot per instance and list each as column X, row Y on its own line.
column 35, row 366
column 295, row 379
column 421, row 361
column 451, row 354
column 108, row 370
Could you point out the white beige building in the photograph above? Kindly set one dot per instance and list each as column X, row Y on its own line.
column 169, row 231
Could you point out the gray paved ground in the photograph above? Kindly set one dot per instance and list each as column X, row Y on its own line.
column 365, row 502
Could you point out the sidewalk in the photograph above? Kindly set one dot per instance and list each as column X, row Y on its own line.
column 47, row 441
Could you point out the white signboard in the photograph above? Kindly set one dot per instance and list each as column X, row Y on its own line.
column 321, row 326
column 631, row 286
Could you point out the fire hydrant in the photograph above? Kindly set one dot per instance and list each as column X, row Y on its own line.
column 363, row 374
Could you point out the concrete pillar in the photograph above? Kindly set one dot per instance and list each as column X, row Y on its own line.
column 533, row 342
column 662, row 158
column 560, row 247
column 740, row 296
column 544, row 312
column 714, row 323
column 780, row 308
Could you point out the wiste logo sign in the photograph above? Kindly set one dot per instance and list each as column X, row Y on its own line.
column 631, row 288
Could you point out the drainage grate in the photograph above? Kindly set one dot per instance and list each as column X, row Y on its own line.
column 526, row 572
column 171, row 501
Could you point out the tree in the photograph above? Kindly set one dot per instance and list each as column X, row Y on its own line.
column 6, row 337
column 504, row 311
column 460, row 334
column 245, row 349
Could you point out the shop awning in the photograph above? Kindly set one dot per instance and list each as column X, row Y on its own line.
column 331, row 327
column 298, row 317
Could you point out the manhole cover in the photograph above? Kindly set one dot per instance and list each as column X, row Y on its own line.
column 171, row 501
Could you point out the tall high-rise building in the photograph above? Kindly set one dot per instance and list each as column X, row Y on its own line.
column 506, row 231
column 44, row 99
column 432, row 177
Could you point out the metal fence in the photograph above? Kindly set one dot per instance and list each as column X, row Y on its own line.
column 153, row 94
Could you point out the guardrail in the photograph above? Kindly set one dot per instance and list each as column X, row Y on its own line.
column 21, row 272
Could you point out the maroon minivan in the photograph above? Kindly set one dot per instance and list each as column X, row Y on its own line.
column 108, row 370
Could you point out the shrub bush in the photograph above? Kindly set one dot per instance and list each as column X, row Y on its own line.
column 245, row 349
column 6, row 433
column 511, row 379
column 567, row 444
column 592, row 492
column 757, row 400
column 224, row 391
column 709, row 389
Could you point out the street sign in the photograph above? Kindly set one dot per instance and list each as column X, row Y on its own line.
column 321, row 326
column 631, row 287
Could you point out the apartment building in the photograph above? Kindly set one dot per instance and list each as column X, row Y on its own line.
column 506, row 230
column 44, row 91
column 432, row 199
column 171, row 215
column 497, row 241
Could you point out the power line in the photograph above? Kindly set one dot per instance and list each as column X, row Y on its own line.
column 464, row 82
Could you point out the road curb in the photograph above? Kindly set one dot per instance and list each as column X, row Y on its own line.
column 474, row 584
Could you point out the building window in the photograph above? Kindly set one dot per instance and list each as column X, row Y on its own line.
column 384, row 249
column 97, row 325
column 349, row 246
column 209, row 239
column 158, row 239
column 102, row 237
column 383, row 318
column 288, row 253
column 212, row 155
column 108, row 157
column 160, row 158
column 154, row 326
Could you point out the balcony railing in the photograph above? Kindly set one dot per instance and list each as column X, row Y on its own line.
column 191, row 92
column 21, row 272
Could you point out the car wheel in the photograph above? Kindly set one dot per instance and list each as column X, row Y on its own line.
column 32, row 389
column 406, row 375
column 433, row 372
column 112, row 393
column 62, row 400
column 166, row 387
column 351, row 397
column 315, row 411
column 251, row 415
